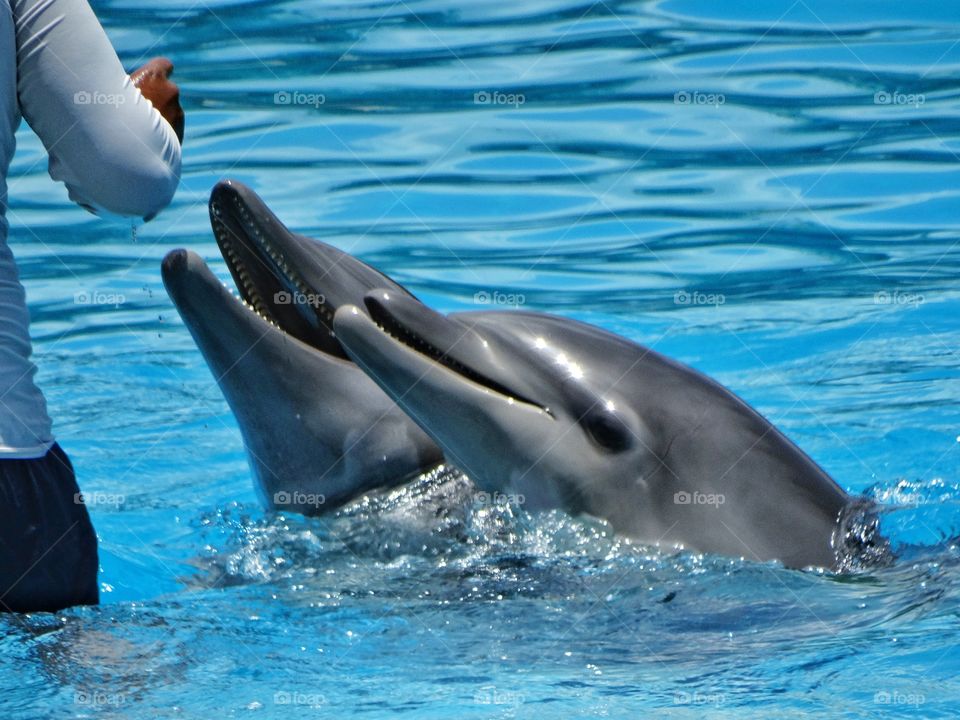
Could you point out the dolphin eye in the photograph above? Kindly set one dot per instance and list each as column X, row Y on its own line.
column 608, row 430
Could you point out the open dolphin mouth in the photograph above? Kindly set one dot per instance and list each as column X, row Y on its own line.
column 437, row 339
column 256, row 247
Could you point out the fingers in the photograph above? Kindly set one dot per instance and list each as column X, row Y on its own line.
column 153, row 81
column 157, row 67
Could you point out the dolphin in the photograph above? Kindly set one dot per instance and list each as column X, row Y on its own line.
column 317, row 431
column 567, row 415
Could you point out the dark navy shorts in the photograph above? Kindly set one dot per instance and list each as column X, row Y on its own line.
column 48, row 549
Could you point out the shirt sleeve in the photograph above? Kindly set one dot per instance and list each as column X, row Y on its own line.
column 106, row 142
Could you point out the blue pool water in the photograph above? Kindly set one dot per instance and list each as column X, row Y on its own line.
column 766, row 191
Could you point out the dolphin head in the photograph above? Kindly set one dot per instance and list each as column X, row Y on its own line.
column 504, row 396
column 317, row 431
column 568, row 415
column 292, row 280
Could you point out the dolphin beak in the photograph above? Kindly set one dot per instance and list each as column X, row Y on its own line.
column 452, row 342
column 458, row 408
column 192, row 285
column 415, row 354
column 309, row 420
column 257, row 249
column 223, row 326
column 295, row 281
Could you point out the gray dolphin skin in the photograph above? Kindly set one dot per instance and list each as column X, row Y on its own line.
column 317, row 431
column 571, row 416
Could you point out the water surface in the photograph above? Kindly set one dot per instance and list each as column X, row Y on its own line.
column 767, row 192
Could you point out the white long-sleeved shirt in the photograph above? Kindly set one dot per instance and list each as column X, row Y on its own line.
column 106, row 142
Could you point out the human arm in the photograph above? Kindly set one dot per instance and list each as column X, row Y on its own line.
column 106, row 141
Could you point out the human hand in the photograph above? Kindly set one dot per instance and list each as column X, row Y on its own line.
column 154, row 82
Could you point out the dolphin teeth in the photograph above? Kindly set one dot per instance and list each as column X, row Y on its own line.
column 248, row 289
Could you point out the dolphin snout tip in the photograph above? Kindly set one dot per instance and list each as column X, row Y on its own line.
column 347, row 317
column 375, row 299
column 179, row 269
column 224, row 185
column 226, row 189
column 175, row 261
column 220, row 193
column 344, row 311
